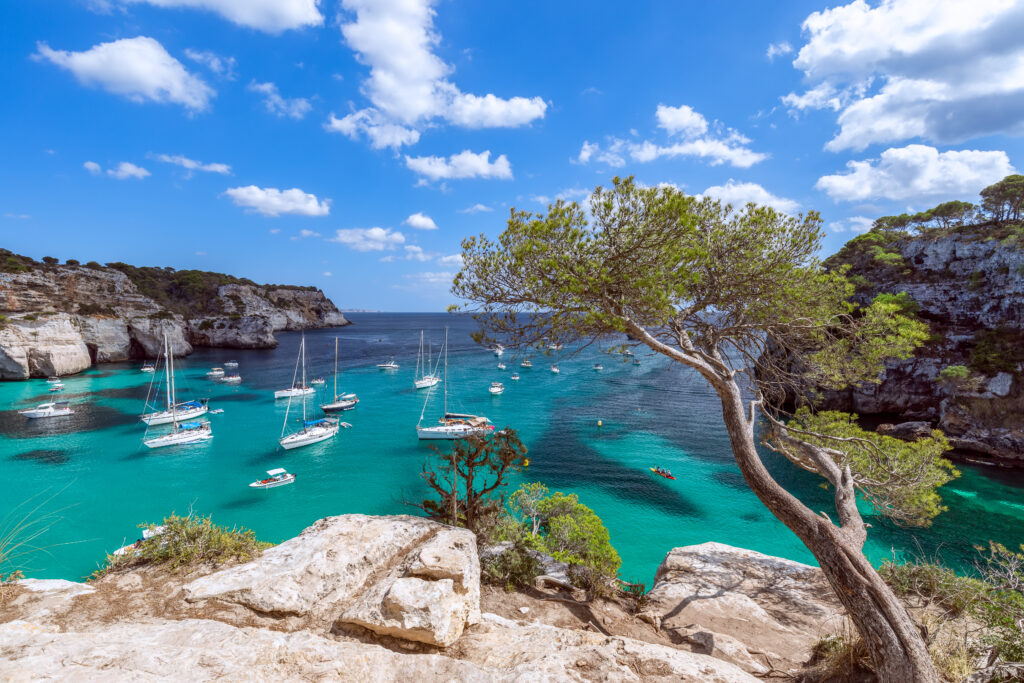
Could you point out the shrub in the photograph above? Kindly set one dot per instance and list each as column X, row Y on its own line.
column 72, row 262
column 187, row 541
column 206, row 325
column 50, row 260
column 514, row 568
column 997, row 350
column 94, row 265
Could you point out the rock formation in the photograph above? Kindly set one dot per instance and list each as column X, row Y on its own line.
column 969, row 285
column 358, row 598
column 60, row 319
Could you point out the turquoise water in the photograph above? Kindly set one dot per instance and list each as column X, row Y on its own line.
column 95, row 466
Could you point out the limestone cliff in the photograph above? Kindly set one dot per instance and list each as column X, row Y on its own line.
column 59, row 319
column 969, row 285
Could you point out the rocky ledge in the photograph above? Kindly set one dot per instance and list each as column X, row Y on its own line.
column 399, row 598
column 61, row 319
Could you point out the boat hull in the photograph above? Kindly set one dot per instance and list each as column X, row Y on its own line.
column 308, row 436
column 37, row 414
column 290, row 479
column 449, row 432
column 338, row 406
column 286, row 393
column 179, row 439
column 167, row 417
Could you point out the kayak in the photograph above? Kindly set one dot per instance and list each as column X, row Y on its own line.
column 667, row 476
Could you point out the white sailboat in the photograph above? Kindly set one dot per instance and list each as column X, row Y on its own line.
column 424, row 378
column 181, row 432
column 313, row 431
column 297, row 388
column 451, row 425
column 185, row 411
column 341, row 402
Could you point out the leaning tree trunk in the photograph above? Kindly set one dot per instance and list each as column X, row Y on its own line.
column 893, row 639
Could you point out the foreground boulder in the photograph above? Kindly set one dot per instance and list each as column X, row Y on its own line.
column 758, row 611
column 400, row 576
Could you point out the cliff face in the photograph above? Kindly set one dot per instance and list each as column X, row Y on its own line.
column 60, row 319
column 969, row 284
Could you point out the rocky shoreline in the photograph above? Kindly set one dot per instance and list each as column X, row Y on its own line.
column 61, row 319
column 363, row 598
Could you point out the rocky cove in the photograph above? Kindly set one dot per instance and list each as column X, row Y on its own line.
column 363, row 598
column 61, row 319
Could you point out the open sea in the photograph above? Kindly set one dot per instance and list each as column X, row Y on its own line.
column 93, row 467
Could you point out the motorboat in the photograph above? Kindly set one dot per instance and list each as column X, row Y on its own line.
column 59, row 386
column 183, row 434
column 514, row 376
column 277, row 477
column 147, row 367
column 636, row 361
column 555, row 370
column 52, row 409
column 598, row 367
column 233, row 378
column 313, row 431
column 215, row 373
column 390, row 365
column 496, row 388
column 424, row 377
column 341, row 402
column 501, row 366
column 498, row 350
column 526, row 364
column 217, row 411
column 451, row 426
column 231, row 365
column 295, row 390
column 53, row 380
column 147, row 534
column 185, row 411
column 318, row 381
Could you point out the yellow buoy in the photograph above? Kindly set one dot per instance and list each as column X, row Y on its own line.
column 526, row 462
column 598, row 423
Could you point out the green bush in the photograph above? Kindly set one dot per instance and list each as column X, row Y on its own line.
column 72, row 262
column 94, row 265
column 997, row 350
column 514, row 568
column 206, row 325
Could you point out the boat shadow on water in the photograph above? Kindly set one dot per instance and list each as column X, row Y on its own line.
column 86, row 418
column 44, row 456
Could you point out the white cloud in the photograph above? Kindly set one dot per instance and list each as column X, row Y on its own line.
column 942, row 70
column 380, row 131
column 420, row 221
column 222, row 66
column 852, row 224
column 271, row 201
column 137, row 68
column 18, row 216
column 776, row 49
column 200, row 253
column 414, row 253
column 304, row 233
column 477, row 208
column 682, row 120
column 327, row 273
column 917, row 173
column 408, row 85
column 369, row 239
column 92, row 167
column 432, row 278
column 193, row 165
column 274, row 231
column 465, row 164
column 295, row 108
column 739, row 194
column 126, row 169
column 450, row 260
column 690, row 136
column 270, row 16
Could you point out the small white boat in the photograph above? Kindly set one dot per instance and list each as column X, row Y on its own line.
column 53, row 380
column 598, row 367
column 146, row 535
column 278, row 477
column 318, row 381
column 234, row 378
column 216, row 411
column 48, row 410
column 215, row 373
column 456, row 426
column 501, row 366
column 341, row 402
column 555, row 347
column 498, row 350
column 183, row 434
column 390, row 365
column 496, row 388
column 554, row 369
column 636, row 361
column 297, row 390
column 180, row 412
column 515, row 376
column 147, row 367
column 526, row 364
column 231, row 365
column 627, row 352
column 424, row 378
column 313, row 431
column 59, row 386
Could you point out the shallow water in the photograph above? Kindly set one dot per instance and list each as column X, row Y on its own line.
column 95, row 468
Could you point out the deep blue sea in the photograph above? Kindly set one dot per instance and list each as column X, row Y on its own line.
column 93, row 467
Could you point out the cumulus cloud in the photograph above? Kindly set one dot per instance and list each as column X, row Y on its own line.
column 408, row 85
column 432, row 278
column 270, row 201
column 304, row 233
column 852, row 224
column 421, row 221
column 221, row 66
column 92, row 167
column 476, row 208
column 369, row 239
column 126, row 170
column 327, row 273
column 450, row 260
column 137, row 68
column 776, row 49
column 295, row 108
column 192, row 165
column 917, row 173
column 739, row 194
column 465, row 164
column 270, row 16
column 689, row 135
column 942, row 70
column 414, row 253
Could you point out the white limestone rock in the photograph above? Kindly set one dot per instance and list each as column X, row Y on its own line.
column 50, row 345
column 106, row 338
column 148, row 336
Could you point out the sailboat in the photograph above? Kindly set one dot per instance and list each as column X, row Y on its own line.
column 451, row 425
column 175, row 412
column 427, row 379
column 182, row 432
column 313, row 431
column 341, row 401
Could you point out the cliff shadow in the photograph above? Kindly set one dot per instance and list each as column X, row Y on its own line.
column 86, row 418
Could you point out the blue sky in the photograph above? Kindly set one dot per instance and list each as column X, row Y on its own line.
column 351, row 144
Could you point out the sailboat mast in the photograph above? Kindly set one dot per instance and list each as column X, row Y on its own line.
column 167, row 371
column 446, row 372
column 302, row 351
column 419, row 358
column 335, row 368
column 170, row 365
